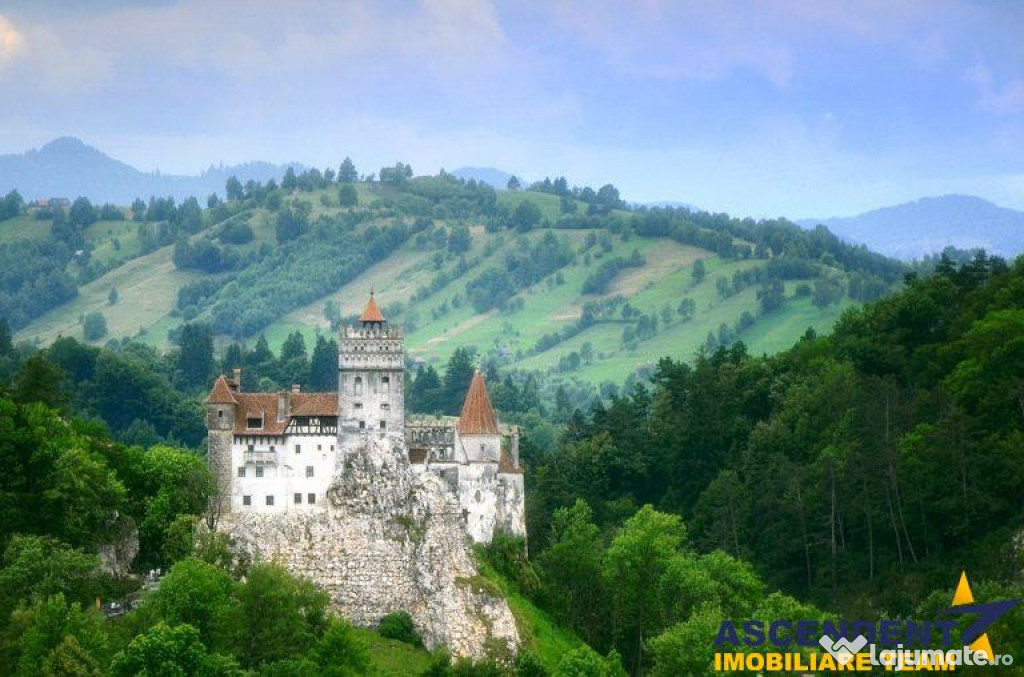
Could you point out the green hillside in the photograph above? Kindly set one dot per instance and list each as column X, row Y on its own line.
column 401, row 240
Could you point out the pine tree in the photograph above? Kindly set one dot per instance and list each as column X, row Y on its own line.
column 457, row 375
column 294, row 346
column 6, row 344
column 323, row 369
column 195, row 356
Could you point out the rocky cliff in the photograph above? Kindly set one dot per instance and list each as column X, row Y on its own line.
column 392, row 539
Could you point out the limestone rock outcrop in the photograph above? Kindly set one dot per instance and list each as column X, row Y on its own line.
column 392, row 539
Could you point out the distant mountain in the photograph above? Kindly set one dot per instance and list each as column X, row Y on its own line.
column 930, row 224
column 670, row 203
column 489, row 175
column 66, row 167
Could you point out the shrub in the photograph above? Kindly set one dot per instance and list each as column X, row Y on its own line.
column 398, row 625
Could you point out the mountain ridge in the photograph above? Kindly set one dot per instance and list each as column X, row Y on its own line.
column 929, row 224
column 69, row 167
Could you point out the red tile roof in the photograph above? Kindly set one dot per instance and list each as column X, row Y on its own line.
column 265, row 406
column 477, row 417
column 372, row 312
column 314, row 404
column 221, row 393
column 505, row 463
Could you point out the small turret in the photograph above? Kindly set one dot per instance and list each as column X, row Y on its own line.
column 372, row 318
column 220, row 424
column 478, row 426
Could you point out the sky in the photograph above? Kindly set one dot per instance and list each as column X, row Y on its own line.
column 787, row 108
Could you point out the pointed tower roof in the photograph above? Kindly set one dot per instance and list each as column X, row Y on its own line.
column 221, row 393
column 372, row 312
column 477, row 417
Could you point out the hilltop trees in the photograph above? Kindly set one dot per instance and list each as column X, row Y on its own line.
column 397, row 175
column 233, row 189
column 347, row 196
column 347, row 172
column 526, row 216
column 11, row 205
column 82, row 213
column 292, row 222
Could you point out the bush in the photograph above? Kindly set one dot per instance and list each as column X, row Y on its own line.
column 236, row 232
column 94, row 327
column 398, row 625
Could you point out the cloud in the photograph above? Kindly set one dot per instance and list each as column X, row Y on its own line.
column 11, row 41
column 262, row 38
column 1001, row 100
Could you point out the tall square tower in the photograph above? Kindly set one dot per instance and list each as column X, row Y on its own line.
column 371, row 380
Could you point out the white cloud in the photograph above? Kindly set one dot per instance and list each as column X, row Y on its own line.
column 11, row 41
column 1007, row 99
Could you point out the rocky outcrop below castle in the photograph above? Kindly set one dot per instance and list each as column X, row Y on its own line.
column 391, row 539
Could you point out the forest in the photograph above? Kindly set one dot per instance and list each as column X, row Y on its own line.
column 855, row 474
column 852, row 474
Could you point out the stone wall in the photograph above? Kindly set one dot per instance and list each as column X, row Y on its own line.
column 391, row 539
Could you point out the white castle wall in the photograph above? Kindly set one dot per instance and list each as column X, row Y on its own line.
column 285, row 471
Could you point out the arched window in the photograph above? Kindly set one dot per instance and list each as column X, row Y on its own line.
column 357, row 387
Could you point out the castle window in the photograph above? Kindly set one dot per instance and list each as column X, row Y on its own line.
column 252, row 447
column 385, row 385
column 309, row 471
column 357, row 387
column 259, row 471
column 298, row 448
column 246, row 500
column 385, row 406
column 383, row 425
column 358, row 405
column 311, row 498
column 362, row 425
column 220, row 413
column 270, row 500
column 241, row 471
column 297, row 498
column 332, row 447
column 271, row 448
column 319, row 447
column 253, row 423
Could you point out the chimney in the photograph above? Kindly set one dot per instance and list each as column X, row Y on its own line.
column 236, row 381
column 514, row 444
column 295, row 388
column 284, row 405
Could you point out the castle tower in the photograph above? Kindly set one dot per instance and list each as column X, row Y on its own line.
column 371, row 386
column 478, row 426
column 220, row 424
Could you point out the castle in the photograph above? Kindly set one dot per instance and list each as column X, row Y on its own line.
column 280, row 453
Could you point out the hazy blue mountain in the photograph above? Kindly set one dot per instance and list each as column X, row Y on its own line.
column 66, row 167
column 670, row 203
column 930, row 224
column 489, row 175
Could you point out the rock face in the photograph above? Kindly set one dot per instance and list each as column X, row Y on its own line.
column 118, row 553
column 391, row 539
